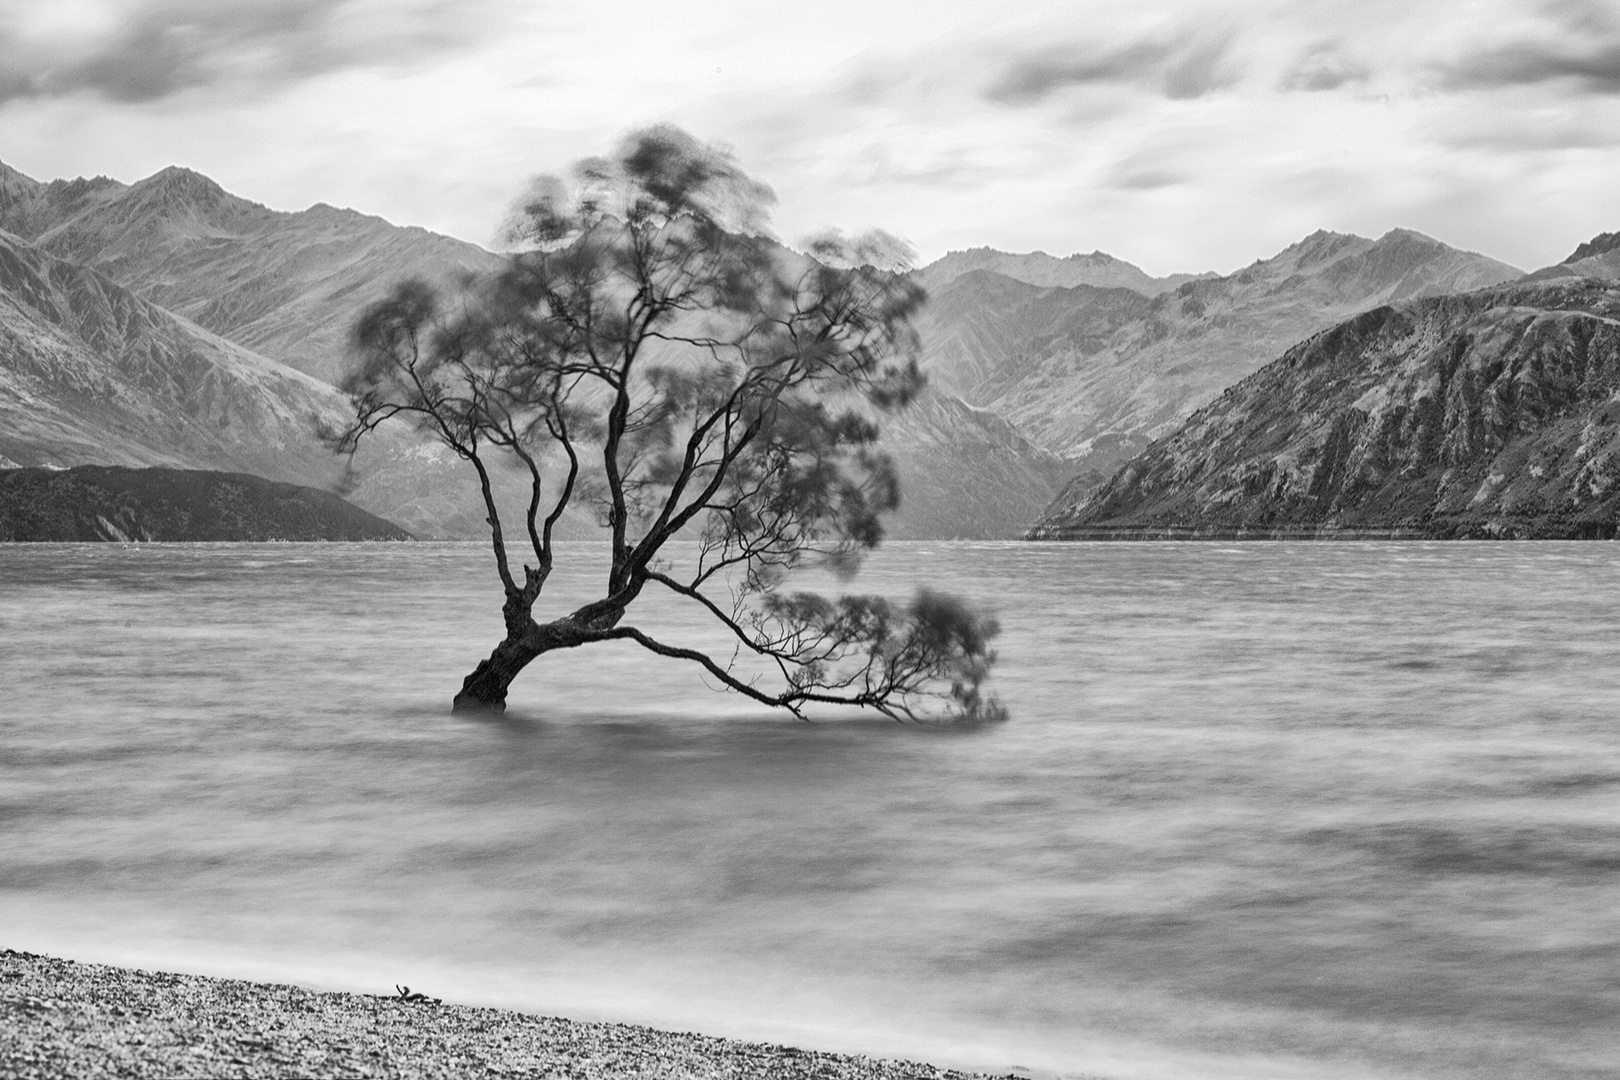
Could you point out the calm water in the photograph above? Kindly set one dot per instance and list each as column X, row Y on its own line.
column 1264, row 810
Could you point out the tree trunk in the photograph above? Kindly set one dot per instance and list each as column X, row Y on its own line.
column 484, row 691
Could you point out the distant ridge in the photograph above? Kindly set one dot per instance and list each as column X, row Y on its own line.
column 1098, row 269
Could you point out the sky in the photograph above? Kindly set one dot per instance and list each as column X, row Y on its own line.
column 1179, row 136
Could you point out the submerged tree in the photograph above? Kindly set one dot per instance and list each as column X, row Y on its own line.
column 650, row 354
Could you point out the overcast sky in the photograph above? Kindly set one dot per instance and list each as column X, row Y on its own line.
column 1180, row 136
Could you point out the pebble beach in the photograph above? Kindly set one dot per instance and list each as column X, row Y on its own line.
column 59, row 1018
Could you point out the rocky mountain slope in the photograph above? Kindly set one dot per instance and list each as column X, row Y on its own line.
column 88, row 368
column 94, row 502
column 1096, row 374
column 91, row 373
column 1494, row 413
column 965, row 473
column 1598, row 257
column 284, row 285
column 1098, row 269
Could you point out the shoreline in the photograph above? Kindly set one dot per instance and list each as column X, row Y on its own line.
column 62, row 1018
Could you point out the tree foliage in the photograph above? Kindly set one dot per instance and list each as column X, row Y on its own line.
column 649, row 352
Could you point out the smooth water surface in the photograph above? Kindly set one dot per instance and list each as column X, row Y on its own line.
column 1262, row 810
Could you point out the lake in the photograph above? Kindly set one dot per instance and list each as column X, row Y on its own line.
column 1261, row 810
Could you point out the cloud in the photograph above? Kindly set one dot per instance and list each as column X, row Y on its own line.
column 1596, row 68
column 146, row 50
column 1187, row 65
column 1324, row 67
column 1575, row 42
column 1170, row 157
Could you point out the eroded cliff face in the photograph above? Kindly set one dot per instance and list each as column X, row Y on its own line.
column 1495, row 413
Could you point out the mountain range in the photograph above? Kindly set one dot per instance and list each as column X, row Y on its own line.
column 1489, row 413
column 1095, row 373
column 1098, row 269
column 283, row 285
column 168, row 322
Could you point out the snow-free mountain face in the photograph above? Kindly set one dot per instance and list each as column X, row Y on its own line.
column 965, row 473
column 1492, row 413
column 91, row 370
column 91, row 373
column 231, row 297
column 1096, row 374
column 285, row 285
column 1098, row 269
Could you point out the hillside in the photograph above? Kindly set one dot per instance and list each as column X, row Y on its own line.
column 284, row 285
column 965, row 473
column 1095, row 375
column 1598, row 257
column 982, row 330
column 93, row 502
column 91, row 373
column 1488, row 414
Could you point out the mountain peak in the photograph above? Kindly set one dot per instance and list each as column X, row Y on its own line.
column 177, row 179
column 1405, row 235
column 177, row 194
column 1098, row 257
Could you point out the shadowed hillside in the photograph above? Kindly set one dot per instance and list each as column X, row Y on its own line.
column 92, row 502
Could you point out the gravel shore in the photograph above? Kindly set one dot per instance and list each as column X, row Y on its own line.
column 59, row 1018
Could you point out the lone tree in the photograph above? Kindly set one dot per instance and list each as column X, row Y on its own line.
column 650, row 353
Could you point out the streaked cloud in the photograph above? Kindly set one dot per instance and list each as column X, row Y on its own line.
column 1572, row 44
column 1187, row 64
column 146, row 50
column 1593, row 67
